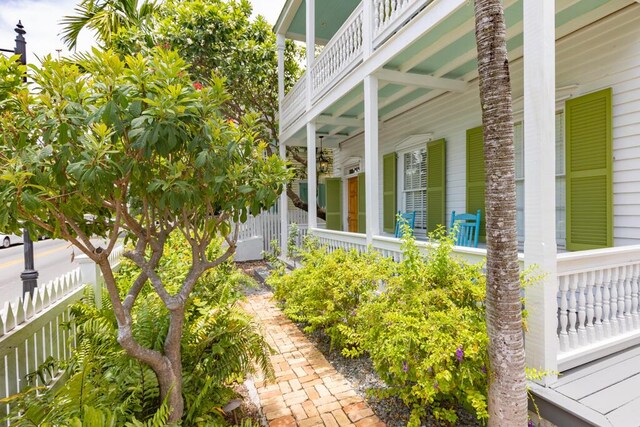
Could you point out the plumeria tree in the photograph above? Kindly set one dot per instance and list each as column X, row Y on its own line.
column 131, row 145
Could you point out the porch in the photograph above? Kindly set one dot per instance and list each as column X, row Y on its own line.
column 408, row 99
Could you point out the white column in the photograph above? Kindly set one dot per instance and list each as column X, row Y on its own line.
column 312, row 180
column 280, row 44
column 284, row 210
column 371, row 161
column 540, row 186
column 284, row 201
column 311, row 46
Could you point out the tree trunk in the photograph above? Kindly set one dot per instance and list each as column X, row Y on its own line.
column 507, row 398
column 170, row 382
column 167, row 366
column 298, row 203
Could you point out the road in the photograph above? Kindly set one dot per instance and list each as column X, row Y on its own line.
column 52, row 259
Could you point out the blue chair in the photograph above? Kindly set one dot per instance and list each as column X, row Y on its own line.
column 466, row 228
column 405, row 218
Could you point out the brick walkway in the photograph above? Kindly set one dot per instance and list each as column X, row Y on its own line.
column 307, row 391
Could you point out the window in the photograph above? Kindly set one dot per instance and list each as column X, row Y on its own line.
column 561, row 231
column 413, row 173
column 321, row 194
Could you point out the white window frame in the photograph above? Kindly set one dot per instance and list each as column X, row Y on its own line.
column 561, row 239
column 401, row 193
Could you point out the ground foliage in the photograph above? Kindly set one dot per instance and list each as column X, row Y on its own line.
column 425, row 332
column 328, row 289
column 132, row 145
column 221, row 344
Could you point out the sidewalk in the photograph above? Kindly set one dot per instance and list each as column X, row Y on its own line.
column 307, row 391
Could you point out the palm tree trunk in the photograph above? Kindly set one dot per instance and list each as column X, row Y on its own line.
column 507, row 399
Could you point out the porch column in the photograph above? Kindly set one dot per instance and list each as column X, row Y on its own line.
column 312, row 180
column 284, row 201
column 540, row 183
column 371, row 163
column 311, row 47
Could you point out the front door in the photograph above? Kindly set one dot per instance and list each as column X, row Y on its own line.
column 353, row 204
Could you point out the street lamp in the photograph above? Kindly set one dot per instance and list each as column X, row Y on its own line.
column 323, row 163
column 29, row 276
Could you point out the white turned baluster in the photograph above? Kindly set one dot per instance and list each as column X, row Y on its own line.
column 606, row 303
column 598, row 278
column 564, row 320
column 628, row 319
column 582, row 309
column 622, row 323
column 615, row 325
column 573, row 308
column 634, row 296
column 591, row 332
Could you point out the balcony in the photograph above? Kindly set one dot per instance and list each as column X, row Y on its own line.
column 345, row 51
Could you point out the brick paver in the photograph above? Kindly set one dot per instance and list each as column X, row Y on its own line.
column 307, row 390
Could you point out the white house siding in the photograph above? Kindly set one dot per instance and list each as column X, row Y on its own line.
column 605, row 54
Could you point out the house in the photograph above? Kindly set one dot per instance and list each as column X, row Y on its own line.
column 394, row 90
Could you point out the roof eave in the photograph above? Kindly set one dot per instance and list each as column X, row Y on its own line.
column 287, row 14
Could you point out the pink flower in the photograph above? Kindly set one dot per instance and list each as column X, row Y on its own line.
column 197, row 85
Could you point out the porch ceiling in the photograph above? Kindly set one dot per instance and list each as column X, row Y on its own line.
column 330, row 15
column 448, row 54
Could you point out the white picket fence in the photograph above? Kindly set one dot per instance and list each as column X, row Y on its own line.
column 267, row 225
column 33, row 330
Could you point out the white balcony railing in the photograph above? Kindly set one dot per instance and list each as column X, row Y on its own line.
column 598, row 301
column 295, row 103
column 345, row 51
column 339, row 56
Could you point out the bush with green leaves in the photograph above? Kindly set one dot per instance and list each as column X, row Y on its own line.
column 131, row 144
column 329, row 289
column 221, row 344
column 426, row 333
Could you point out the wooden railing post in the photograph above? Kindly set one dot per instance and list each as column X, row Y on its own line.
column 91, row 275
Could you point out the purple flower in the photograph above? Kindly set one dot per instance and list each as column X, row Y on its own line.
column 405, row 366
column 484, row 369
column 531, row 424
column 459, row 354
column 436, row 385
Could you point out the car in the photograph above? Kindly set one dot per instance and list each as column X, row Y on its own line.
column 7, row 240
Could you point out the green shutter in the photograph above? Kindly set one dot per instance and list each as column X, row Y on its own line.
column 436, row 184
column 334, row 203
column 389, row 198
column 476, row 176
column 304, row 193
column 589, row 171
column 362, row 206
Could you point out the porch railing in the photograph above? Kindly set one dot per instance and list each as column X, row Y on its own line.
column 388, row 15
column 598, row 303
column 33, row 330
column 390, row 247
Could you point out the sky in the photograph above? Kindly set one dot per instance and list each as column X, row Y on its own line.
column 41, row 20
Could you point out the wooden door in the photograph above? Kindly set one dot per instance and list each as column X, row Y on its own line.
column 353, row 204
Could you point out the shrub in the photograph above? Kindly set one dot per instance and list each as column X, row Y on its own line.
column 220, row 345
column 426, row 333
column 328, row 289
